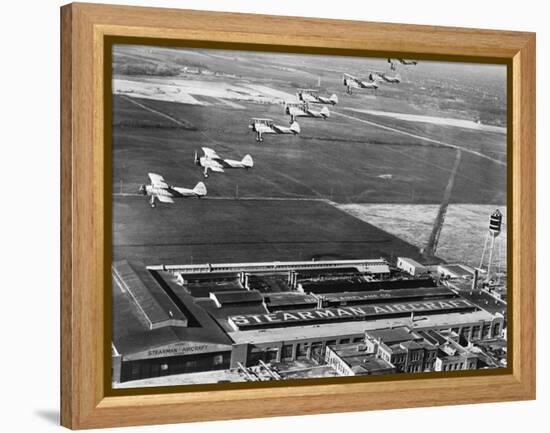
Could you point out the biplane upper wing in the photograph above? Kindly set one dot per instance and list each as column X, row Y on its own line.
column 210, row 153
column 157, row 180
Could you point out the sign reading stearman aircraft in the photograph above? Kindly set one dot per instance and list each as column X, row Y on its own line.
column 178, row 349
column 308, row 317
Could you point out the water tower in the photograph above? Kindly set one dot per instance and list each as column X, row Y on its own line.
column 490, row 246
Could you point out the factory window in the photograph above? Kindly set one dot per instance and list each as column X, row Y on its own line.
column 331, row 342
column 496, row 329
column 344, row 341
column 287, row 351
column 358, row 339
column 301, row 350
column 476, row 331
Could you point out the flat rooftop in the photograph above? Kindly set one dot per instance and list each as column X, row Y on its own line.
column 381, row 295
column 288, row 299
column 360, row 361
column 335, row 330
column 370, row 265
column 228, row 298
column 462, row 271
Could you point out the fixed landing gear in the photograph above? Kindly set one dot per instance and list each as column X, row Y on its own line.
column 259, row 138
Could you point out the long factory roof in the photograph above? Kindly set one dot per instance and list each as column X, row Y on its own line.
column 336, row 330
column 131, row 333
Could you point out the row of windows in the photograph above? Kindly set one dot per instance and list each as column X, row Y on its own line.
column 276, row 266
column 414, row 368
column 302, row 348
column 477, row 331
column 459, row 366
column 450, row 367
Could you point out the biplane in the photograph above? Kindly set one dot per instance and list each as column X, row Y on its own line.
column 404, row 62
column 302, row 109
column 383, row 76
column 159, row 190
column 212, row 161
column 266, row 126
column 352, row 82
column 312, row 95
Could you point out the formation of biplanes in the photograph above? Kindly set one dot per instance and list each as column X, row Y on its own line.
column 306, row 105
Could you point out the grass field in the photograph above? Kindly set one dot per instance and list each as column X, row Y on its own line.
column 213, row 231
column 463, row 232
column 195, row 98
column 336, row 159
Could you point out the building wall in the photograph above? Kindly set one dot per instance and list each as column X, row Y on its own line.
column 116, row 365
column 341, row 367
column 155, row 367
column 315, row 348
column 285, row 351
column 452, row 363
column 405, row 265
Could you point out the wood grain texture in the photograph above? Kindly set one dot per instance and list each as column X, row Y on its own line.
column 84, row 403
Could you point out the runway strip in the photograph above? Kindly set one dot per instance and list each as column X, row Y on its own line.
column 152, row 110
column 173, row 119
column 420, row 137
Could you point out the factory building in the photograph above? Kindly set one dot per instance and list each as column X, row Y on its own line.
column 352, row 359
column 408, row 351
column 208, row 317
column 455, row 271
column 400, row 350
column 411, row 266
column 155, row 334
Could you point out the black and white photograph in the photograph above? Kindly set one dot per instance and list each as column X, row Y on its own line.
column 281, row 216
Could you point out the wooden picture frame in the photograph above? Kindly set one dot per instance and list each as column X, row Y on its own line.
column 85, row 214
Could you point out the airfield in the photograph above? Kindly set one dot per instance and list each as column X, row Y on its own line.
column 288, row 206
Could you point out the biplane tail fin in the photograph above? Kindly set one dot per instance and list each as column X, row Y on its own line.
column 295, row 128
column 200, row 189
column 247, row 161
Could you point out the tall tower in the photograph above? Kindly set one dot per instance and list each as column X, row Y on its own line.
column 490, row 246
